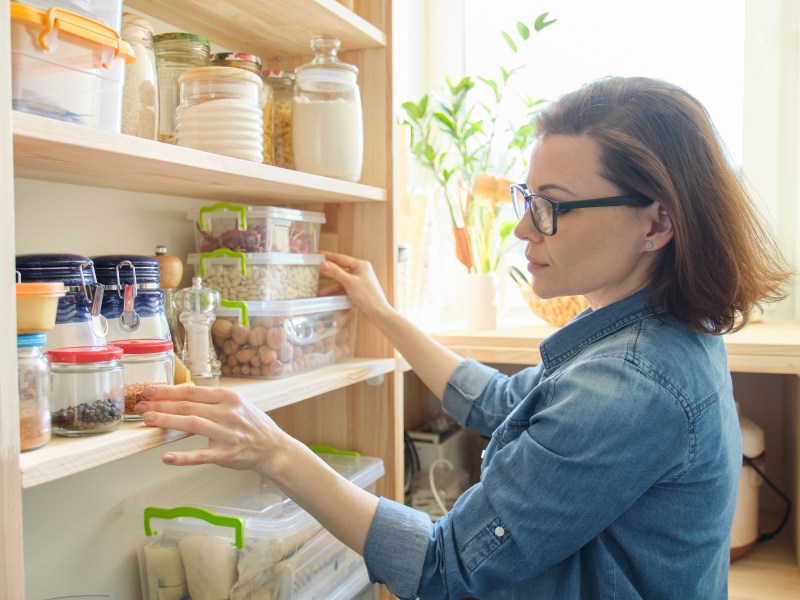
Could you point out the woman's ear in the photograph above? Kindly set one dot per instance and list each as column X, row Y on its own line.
column 661, row 231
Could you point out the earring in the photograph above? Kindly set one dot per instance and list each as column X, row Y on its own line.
column 648, row 245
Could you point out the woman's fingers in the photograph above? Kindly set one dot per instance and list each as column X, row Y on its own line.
column 171, row 393
column 155, row 416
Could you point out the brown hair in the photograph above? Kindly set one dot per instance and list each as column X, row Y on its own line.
column 658, row 141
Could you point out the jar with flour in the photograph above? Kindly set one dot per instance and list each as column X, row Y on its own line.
column 328, row 128
column 140, row 93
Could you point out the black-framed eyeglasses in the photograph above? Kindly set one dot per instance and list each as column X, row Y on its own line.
column 544, row 211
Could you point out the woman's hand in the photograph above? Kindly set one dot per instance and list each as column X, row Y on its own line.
column 240, row 436
column 356, row 278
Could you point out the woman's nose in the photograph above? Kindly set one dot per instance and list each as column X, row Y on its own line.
column 525, row 230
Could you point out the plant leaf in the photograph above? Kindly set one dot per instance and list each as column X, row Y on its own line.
column 510, row 42
column 524, row 32
column 542, row 22
column 446, row 121
column 492, row 84
column 506, row 229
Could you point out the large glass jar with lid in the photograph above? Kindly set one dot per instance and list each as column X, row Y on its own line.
column 220, row 112
column 327, row 122
column 278, row 119
column 140, row 93
column 175, row 53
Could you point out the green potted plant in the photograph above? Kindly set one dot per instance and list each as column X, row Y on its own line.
column 454, row 135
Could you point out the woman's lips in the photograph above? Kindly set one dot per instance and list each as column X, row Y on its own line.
column 534, row 265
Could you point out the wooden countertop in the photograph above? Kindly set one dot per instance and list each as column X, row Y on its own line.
column 766, row 347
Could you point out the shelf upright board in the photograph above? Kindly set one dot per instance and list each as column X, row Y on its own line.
column 12, row 580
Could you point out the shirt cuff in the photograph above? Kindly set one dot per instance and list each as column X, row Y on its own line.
column 466, row 384
column 396, row 545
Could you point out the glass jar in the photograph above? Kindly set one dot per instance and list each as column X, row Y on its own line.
column 87, row 393
column 328, row 128
column 220, row 112
column 278, row 119
column 79, row 321
column 133, row 304
column 248, row 62
column 140, row 93
column 144, row 362
column 175, row 53
column 34, row 391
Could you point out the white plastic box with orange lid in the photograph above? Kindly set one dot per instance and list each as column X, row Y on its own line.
column 217, row 533
column 67, row 66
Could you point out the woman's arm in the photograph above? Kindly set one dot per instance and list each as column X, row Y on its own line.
column 431, row 361
column 240, row 436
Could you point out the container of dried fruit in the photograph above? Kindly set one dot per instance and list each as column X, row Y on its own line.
column 144, row 362
column 258, row 276
column 256, row 228
column 273, row 339
column 87, row 394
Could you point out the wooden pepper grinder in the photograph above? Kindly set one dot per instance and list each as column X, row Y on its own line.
column 171, row 274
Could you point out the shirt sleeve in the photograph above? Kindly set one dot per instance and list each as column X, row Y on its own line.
column 480, row 397
column 566, row 473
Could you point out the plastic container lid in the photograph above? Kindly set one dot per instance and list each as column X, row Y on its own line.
column 84, row 354
column 40, row 289
column 29, row 340
column 284, row 308
column 142, row 346
column 224, row 210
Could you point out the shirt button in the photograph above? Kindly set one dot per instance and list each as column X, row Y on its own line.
column 499, row 531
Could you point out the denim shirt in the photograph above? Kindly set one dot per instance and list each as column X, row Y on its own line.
column 611, row 473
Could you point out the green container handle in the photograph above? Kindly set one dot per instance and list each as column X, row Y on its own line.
column 244, row 318
column 153, row 512
column 320, row 449
column 241, row 210
column 223, row 252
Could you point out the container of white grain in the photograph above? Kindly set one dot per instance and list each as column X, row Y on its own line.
column 140, row 93
column 328, row 128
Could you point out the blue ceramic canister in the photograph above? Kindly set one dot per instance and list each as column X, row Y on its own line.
column 133, row 303
column 79, row 321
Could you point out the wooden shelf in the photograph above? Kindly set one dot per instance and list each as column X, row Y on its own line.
column 767, row 572
column 51, row 150
column 268, row 28
column 63, row 456
column 767, row 347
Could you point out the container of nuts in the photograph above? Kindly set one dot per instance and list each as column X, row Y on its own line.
column 87, row 393
column 144, row 362
column 260, row 276
column 274, row 339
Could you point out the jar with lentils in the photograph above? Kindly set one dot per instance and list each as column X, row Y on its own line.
column 87, row 394
column 175, row 53
column 144, row 362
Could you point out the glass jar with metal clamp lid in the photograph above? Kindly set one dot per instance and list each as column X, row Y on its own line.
column 79, row 321
column 134, row 303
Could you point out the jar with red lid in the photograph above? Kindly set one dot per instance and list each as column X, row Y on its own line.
column 87, row 393
column 144, row 362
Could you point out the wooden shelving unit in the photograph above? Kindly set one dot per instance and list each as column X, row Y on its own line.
column 359, row 393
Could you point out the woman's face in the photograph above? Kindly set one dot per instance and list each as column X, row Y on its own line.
column 599, row 253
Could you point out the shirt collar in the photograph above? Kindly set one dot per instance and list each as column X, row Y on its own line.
column 590, row 326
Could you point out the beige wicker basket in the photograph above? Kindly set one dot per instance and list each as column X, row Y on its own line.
column 555, row 311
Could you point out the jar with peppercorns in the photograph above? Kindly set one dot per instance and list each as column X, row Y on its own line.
column 144, row 362
column 34, row 391
column 87, row 394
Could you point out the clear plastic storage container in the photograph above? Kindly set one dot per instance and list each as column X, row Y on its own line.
column 258, row 276
column 108, row 12
column 66, row 66
column 86, row 390
column 144, row 362
column 273, row 339
column 37, row 305
column 218, row 533
column 256, row 228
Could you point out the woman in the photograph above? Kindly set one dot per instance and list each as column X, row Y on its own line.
column 613, row 465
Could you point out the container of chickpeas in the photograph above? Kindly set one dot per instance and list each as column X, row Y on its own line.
column 258, row 276
column 274, row 339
